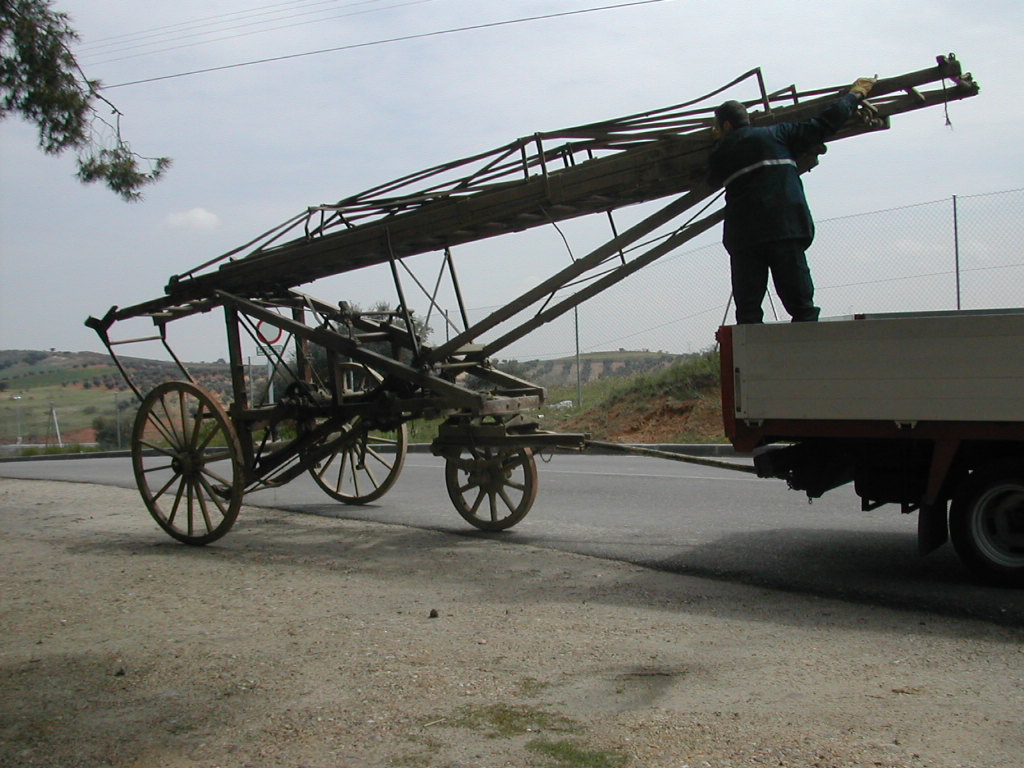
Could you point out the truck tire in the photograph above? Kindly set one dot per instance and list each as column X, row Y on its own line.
column 986, row 522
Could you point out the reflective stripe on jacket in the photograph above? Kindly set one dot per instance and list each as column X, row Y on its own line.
column 764, row 196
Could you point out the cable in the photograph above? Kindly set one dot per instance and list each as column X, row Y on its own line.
column 381, row 42
column 206, row 21
column 188, row 35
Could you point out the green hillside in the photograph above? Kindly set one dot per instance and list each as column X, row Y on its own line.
column 42, row 392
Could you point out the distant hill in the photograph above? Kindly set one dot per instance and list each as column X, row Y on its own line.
column 22, row 369
column 78, row 388
column 593, row 366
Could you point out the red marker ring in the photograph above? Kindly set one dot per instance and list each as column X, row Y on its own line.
column 263, row 338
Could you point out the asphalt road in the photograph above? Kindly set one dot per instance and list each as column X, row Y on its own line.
column 670, row 516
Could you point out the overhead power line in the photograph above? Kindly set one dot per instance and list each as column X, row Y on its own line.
column 194, row 32
column 402, row 38
column 207, row 21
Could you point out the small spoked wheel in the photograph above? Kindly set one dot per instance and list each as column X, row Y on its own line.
column 188, row 462
column 492, row 488
column 368, row 462
column 986, row 522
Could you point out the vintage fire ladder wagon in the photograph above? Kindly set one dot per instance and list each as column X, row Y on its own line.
column 195, row 459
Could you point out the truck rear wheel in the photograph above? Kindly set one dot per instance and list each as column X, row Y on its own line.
column 986, row 522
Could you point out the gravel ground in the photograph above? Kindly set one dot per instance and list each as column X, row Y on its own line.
column 314, row 642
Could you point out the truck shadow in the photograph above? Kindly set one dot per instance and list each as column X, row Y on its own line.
column 864, row 567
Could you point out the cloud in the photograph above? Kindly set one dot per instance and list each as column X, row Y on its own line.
column 198, row 219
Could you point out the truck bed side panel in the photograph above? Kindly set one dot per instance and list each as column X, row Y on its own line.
column 909, row 368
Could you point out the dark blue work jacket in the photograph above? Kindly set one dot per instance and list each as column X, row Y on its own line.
column 764, row 197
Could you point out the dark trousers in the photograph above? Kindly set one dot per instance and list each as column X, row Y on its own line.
column 792, row 278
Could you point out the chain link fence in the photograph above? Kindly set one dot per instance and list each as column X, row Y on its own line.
column 961, row 252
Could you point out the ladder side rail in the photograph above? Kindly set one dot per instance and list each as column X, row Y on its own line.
column 806, row 108
column 660, row 168
column 529, row 196
column 947, row 67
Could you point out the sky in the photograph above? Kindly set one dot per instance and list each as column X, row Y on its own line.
column 255, row 145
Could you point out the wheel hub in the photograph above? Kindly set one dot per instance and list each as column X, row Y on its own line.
column 489, row 475
column 186, row 464
column 1003, row 522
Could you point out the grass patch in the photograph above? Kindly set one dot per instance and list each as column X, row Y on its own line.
column 566, row 754
column 504, row 721
column 55, row 450
column 76, row 409
column 683, row 381
column 422, row 430
column 594, row 392
column 530, row 686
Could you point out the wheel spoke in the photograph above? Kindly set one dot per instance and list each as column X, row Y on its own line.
column 214, row 496
column 355, row 471
column 175, row 438
column 201, row 498
column 213, row 475
column 476, row 504
column 164, row 429
column 372, row 478
column 157, row 468
column 207, row 440
column 183, row 416
column 378, row 457
column 158, row 448
column 191, row 512
column 177, row 500
column 210, row 458
column 507, row 500
column 342, row 462
column 197, row 424
column 169, row 483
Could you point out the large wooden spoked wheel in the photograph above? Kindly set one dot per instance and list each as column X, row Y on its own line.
column 188, row 462
column 365, row 466
column 492, row 488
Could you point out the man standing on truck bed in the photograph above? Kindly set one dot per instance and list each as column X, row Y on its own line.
column 768, row 225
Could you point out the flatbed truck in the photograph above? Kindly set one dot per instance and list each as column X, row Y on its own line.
column 922, row 410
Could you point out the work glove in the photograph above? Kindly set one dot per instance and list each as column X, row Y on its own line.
column 863, row 86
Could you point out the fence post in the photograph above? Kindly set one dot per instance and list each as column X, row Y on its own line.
column 956, row 251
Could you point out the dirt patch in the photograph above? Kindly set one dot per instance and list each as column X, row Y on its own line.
column 655, row 420
column 83, row 435
column 312, row 642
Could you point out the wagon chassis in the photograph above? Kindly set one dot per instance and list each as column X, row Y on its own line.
column 345, row 422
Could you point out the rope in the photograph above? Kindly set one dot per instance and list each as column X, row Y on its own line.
column 685, row 458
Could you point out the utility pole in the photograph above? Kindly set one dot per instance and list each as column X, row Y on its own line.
column 579, row 375
column 117, row 418
column 56, row 426
column 17, row 414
